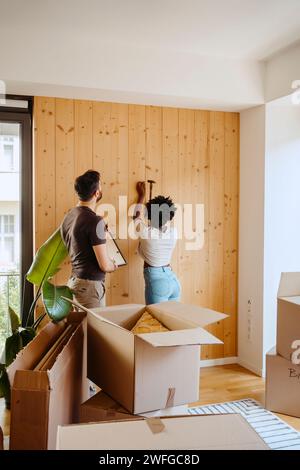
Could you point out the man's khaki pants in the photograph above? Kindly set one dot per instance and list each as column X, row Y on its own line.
column 90, row 294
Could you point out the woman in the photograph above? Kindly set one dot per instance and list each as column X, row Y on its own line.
column 156, row 245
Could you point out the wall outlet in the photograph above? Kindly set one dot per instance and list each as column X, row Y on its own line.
column 249, row 320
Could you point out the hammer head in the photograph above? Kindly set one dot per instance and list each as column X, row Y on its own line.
column 151, row 181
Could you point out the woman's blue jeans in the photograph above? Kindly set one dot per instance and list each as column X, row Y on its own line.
column 161, row 285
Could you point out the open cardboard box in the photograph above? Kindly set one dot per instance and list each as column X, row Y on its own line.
column 209, row 432
column 282, row 385
column 150, row 371
column 101, row 407
column 43, row 399
column 288, row 313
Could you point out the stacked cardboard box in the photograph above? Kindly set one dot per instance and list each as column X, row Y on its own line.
column 154, row 376
column 47, row 384
column 148, row 379
column 283, row 361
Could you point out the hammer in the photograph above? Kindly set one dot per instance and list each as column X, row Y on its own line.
column 151, row 182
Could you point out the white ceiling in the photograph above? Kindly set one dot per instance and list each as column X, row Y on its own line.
column 242, row 29
column 194, row 53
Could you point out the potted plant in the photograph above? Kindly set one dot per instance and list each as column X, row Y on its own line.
column 45, row 265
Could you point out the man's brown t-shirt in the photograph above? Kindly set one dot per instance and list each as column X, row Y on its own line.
column 81, row 230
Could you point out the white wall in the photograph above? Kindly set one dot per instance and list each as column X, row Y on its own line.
column 251, row 237
column 281, row 71
column 282, row 204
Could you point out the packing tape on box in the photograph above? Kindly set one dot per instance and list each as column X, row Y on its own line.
column 170, row 398
column 156, row 425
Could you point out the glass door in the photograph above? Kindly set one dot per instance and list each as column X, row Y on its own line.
column 10, row 214
column 16, row 223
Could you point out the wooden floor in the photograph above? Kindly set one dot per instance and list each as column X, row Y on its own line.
column 233, row 382
column 218, row 384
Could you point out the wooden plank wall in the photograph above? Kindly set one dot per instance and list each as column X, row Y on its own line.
column 192, row 155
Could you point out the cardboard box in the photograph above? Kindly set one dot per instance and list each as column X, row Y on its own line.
column 150, row 371
column 209, row 432
column 43, row 399
column 282, row 385
column 101, row 407
column 288, row 313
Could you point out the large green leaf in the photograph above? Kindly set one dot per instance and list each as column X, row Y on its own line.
column 14, row 320
column 56, row 307
column 16, row 342
column 13, row 345
column 47, row 259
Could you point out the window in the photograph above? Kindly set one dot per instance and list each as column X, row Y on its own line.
column 8, row 154
column 7, row 239
column 9, row 148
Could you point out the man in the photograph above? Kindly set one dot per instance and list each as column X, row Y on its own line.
column 84, row 234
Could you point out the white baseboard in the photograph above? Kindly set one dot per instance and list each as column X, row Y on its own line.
column 250, row 367
column 231, row 360
column 218, row 362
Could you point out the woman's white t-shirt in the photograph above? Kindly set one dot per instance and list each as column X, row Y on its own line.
column 156, row 245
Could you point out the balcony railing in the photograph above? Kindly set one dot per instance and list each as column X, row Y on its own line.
column 9, row 296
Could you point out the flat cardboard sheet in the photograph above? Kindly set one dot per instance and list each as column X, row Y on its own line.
column 179, row 338
column 191, row 314
column 209, row 432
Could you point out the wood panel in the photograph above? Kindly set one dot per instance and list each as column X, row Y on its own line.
column 64, row 169
column 216, row 225
column 102, row 162
column 201, row 192
column 83, row 150
column 193, row 157
column 170, row 167
column 186, row 197
column 119, row 288
column 154, row 149
column 44, row 165
column 231, row 195
column 136, row 172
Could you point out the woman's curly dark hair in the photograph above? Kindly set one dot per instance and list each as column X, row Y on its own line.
column 160, row 210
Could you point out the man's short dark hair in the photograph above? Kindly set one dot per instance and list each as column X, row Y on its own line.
column 160, row 210
column 87, row 184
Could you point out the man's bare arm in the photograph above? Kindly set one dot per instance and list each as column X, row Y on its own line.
column 105, row 263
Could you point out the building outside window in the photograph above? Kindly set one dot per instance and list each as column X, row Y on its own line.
column 7, row 240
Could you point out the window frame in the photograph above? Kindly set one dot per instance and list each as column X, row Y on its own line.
column 23, row 117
